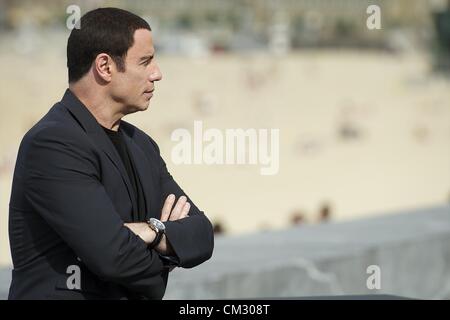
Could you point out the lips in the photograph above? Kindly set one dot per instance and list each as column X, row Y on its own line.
column 148, row 94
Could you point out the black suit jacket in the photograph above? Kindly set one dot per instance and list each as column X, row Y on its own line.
column 70, row 198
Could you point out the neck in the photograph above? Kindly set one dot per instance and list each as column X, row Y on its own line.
column 104, row 109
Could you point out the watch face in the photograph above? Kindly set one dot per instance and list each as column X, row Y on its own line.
column 158, row 224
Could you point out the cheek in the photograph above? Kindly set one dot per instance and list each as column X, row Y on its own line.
column 130, row 83
column 124, row 84
column 136, row 81
column 120, row 82
column 136, row 74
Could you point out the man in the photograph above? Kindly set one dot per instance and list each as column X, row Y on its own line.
column 94, row 213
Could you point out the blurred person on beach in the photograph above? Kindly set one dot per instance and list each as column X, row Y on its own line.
column 297, row 218
column 325, row 212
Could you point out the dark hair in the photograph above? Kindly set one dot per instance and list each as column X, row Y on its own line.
column 103, row 30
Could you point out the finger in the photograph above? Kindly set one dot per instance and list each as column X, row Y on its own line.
column 168, row 204
column 185, row 210
column 178, row 207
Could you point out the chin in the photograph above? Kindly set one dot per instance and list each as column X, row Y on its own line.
column 142, row 105
column 137, row 108
column 145, row 106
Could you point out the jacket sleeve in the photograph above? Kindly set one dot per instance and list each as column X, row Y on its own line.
column 192, row 238
column 63, row 186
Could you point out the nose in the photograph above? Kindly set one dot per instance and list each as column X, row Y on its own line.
column 155, row 74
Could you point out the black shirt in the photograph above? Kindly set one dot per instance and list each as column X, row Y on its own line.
column 139, row 216
column 118, row 142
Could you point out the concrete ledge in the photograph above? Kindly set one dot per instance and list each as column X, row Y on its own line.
column 411, row 249
column 327, row 261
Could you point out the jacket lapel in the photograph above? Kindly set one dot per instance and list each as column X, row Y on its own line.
column 99, row 137
column 143, row 170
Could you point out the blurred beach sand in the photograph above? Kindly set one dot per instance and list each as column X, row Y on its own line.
column 366, row 132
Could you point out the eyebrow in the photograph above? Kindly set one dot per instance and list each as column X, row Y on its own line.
column 146, row 57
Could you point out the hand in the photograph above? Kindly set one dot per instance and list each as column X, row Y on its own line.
column 180, row 211
column 142, row 230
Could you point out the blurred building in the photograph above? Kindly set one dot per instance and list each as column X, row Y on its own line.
column 252, row 24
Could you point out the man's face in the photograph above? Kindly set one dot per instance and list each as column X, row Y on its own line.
column 134, row 87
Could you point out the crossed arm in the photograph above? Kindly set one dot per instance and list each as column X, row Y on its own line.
column 142, row 230
column 63, row 187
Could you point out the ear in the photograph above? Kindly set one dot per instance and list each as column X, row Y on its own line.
column 103, row 66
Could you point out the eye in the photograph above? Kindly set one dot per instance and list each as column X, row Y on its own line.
column 147, row 61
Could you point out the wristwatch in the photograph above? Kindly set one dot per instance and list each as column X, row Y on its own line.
column 159, row 228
